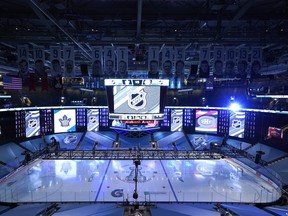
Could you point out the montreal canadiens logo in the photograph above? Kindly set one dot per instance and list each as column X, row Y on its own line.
column 137, row 99
column 206, row 121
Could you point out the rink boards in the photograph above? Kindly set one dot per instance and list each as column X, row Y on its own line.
column 223, row 180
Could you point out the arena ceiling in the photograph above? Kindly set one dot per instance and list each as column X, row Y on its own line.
column 190, row 23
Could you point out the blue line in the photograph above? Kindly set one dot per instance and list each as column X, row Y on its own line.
column 102, row 181
column 169, row 181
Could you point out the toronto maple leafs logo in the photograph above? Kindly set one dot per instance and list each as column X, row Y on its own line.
column 137, row 99
column 65, row 121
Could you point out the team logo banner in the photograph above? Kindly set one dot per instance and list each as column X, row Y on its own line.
column 176, row 120
column 32, row 119
column 64, row 120
column 93, row 120
column 237, row 124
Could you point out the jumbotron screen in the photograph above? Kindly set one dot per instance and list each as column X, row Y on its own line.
column 136, row 99
column 92, row 119
column 32, row 121
column 64, row 120
column 206, row 121
column 237, row 124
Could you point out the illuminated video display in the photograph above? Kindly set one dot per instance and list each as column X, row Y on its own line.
column 136, row 99
column 32, row 122
column 93, row 120
column 64, row 120
column 274, row 132
column 134, row 125
column 206, row 121
column 176, row 120
column 237, row 124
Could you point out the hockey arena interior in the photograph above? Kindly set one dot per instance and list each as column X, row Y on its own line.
column 143, row 107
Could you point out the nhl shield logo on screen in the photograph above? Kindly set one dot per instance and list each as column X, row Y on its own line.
column 32, row 123
column 137, row 99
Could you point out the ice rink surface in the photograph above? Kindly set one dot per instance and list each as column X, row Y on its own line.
column 220, row 180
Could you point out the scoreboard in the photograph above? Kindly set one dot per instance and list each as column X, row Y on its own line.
column 136, row 99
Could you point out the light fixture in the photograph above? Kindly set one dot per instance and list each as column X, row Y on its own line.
column 234, row 106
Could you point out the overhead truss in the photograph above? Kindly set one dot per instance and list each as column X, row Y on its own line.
column 138, row 154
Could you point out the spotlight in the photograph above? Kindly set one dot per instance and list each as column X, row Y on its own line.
column 62, row 100
column 175, row 101
column 153, row 144
column 116, row 144
column 234, row 106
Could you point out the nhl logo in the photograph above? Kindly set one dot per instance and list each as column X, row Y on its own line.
column 92, row 119
column 137, row 99
column 32, row 123
column 236, row 123
column 176, row 120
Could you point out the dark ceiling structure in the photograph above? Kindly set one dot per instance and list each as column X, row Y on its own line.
column 87, row 23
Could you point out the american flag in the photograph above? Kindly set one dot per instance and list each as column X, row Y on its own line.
column 12, row 82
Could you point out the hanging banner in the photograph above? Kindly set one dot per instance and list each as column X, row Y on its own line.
column 179, row 61
column 218, row 57
column 109, row 59
column 69, row 61
column 23, row 61
column 230, row 61
column 256, row 62
column 55, row 59
column 122, row 62
column 204, row 62
column 39, row 59
column 39, row 69
column 153, row 62
column 97, row 61
column 167, row 62
column 242, row 63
